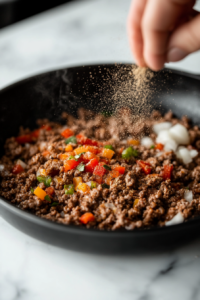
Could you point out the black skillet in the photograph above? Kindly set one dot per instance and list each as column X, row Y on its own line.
column 48, row 95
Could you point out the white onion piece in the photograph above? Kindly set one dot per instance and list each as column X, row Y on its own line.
column 193, row 153
column 177, row 219
column 1, row 168
column 161, row 126
column 21, row 163
column 110, row 205
column 180, row 134
column 147, row 142
column 159, row 153
column 185, row 155
column 43, row 146
column 163, row 137
column 171, row 145
column 27, row 145
column 188, row 196
column 89, row 183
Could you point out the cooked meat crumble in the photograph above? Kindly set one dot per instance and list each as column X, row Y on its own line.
column 94, row 173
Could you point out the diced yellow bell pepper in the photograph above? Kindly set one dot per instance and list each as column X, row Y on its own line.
column 76, row 181
column 40, row 193
column 43, row 172
column 65, row 156
column 69, row 148
column 86, row 148
column 133, row 142
column 135, row 202
column 83, row 187
column 107, row 153
column 58, row 179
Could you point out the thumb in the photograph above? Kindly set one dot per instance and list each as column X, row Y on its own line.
column 184, row 40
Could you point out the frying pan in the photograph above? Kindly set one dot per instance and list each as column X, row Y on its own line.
column 48, row 95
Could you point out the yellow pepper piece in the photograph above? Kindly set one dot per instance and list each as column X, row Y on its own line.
column 43, row 172
column 40, row 193
column 58, row 179
column 69, row 148
column 133, row 142
column 107, row 153
column 135, row 202
column 65, row 156
column 76, row 181
column 86, row 148
column 83, row 187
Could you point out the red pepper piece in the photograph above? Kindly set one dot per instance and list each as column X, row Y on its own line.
column 159, row 147
column 82, row 140
column 17, row 169
column 91, row 165
column 50, row 191
column 27, row 138
column 167, row 172
column 67, row 133
column 71, row 164
column 146, row 167
column 86, row 218
column 99, row 170
column 120, row 169
column 36, row 132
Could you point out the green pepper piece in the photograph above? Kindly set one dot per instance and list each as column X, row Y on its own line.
column 32, row 190
column 129, row 152
column 69, row 189
column 107, row 167
column 71, row 139
column 47, row 198
column 45, row 180
column 81, row 167
column 109, row 147
column 93, row 185
column 54, row 203
column 152, row 147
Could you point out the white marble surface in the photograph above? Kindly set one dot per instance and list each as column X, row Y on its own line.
column 80, row 33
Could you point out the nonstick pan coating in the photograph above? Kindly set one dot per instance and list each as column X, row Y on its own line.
column 48, row 95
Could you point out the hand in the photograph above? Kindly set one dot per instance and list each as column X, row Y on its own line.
column 163, row 31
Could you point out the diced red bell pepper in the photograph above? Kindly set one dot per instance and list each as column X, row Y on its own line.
column 159, row 147
column 27, row 138
column 71, row 164
column 50, row 191
column 36, row 132
column 91, row 165
column 146, row 167
column 88, row 156
column 167, row 172
column 99, row 170
column 17, row 169
column 86, row 218
column 120, row 169
column 67, row 133
column 82, row 140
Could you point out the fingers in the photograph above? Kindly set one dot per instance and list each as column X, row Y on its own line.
column 159, row 19
column 184, row 40
column 134, row 30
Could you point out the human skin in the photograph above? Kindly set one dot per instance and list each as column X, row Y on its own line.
column 162, row 31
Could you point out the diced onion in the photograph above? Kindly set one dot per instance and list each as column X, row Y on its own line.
column 159, row 153
column 1, row 168
column 147, row 142
column 43, row 146
column 171, row 145
column 177, row 219
column 89, row 183
column 161, row 126
column 188, row 196
column 27, row 145
column 180, row 134
column 185, row 155
column 163, row 137
column 193, row 153
column 21, row 163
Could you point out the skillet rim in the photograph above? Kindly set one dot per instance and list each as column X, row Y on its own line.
column 91, row 231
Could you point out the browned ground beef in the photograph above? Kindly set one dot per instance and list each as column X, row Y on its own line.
column 158, row 200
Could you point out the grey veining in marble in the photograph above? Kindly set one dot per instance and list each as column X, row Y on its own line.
column 79, row 33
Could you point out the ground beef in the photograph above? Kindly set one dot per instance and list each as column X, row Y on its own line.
column 128, row 201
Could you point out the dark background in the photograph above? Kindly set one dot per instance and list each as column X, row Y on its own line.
column 12, row 11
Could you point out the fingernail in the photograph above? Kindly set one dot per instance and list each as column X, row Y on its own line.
column 176, row 54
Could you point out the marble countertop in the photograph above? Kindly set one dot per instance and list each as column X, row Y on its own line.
column 76, row 34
